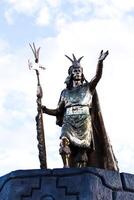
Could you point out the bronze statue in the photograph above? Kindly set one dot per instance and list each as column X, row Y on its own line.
column 84, row 141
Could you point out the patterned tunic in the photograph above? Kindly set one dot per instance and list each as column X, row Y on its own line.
column 77, row 125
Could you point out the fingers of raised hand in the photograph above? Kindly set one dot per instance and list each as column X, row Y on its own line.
column 107, row 52
column 103, row 55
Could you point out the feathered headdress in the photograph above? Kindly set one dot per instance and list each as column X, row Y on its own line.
column 75, row 63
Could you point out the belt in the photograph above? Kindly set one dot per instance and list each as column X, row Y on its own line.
column 76, row 110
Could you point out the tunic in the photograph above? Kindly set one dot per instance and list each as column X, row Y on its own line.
column 77, row 125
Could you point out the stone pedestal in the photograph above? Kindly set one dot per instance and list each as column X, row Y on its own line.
column 67, row 184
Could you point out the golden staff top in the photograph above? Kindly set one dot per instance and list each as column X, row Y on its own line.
column 39, row 118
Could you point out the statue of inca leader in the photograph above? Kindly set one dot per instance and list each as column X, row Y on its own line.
column 84, row 141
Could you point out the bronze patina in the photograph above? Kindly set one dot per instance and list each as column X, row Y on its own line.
column 84, row 141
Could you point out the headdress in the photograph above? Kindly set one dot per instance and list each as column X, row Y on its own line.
column 75, row 63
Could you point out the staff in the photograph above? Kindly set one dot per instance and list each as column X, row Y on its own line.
column 39, row 117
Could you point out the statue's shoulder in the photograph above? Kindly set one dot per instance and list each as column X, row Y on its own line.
column 63, row 92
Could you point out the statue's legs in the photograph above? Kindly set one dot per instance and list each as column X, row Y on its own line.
column 81, row 158
column 65, row 159
column 65, row 151
column 72, row 156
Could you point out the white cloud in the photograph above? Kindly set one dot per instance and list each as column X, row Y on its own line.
column 118, row 4
column 102, row 9
column 28, row 5
column 39, row 8
column 123, row 5
column 90, row 9
column 4, row 46
column 9, row 16
column 54, row 3
column 24, row 6
column 43, row 17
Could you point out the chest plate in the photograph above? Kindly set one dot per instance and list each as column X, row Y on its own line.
column 80, row 95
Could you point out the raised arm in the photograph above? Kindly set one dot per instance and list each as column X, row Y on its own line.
column 98, row 74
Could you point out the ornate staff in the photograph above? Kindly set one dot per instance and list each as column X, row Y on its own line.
column 39, row 117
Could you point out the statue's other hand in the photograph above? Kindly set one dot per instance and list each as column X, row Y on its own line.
column 40, row 106
column 103, row 55
column 43, row 108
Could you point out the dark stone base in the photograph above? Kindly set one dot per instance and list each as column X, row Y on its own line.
column 67, row 184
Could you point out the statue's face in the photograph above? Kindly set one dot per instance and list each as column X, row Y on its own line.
column 77, row 74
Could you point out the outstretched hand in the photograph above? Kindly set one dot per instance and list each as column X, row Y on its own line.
column 103, row 55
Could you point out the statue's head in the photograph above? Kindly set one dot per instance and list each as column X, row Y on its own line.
column 75, row 71
column 77, row 74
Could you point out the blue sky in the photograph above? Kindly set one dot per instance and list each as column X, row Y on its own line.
column 63, row 27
